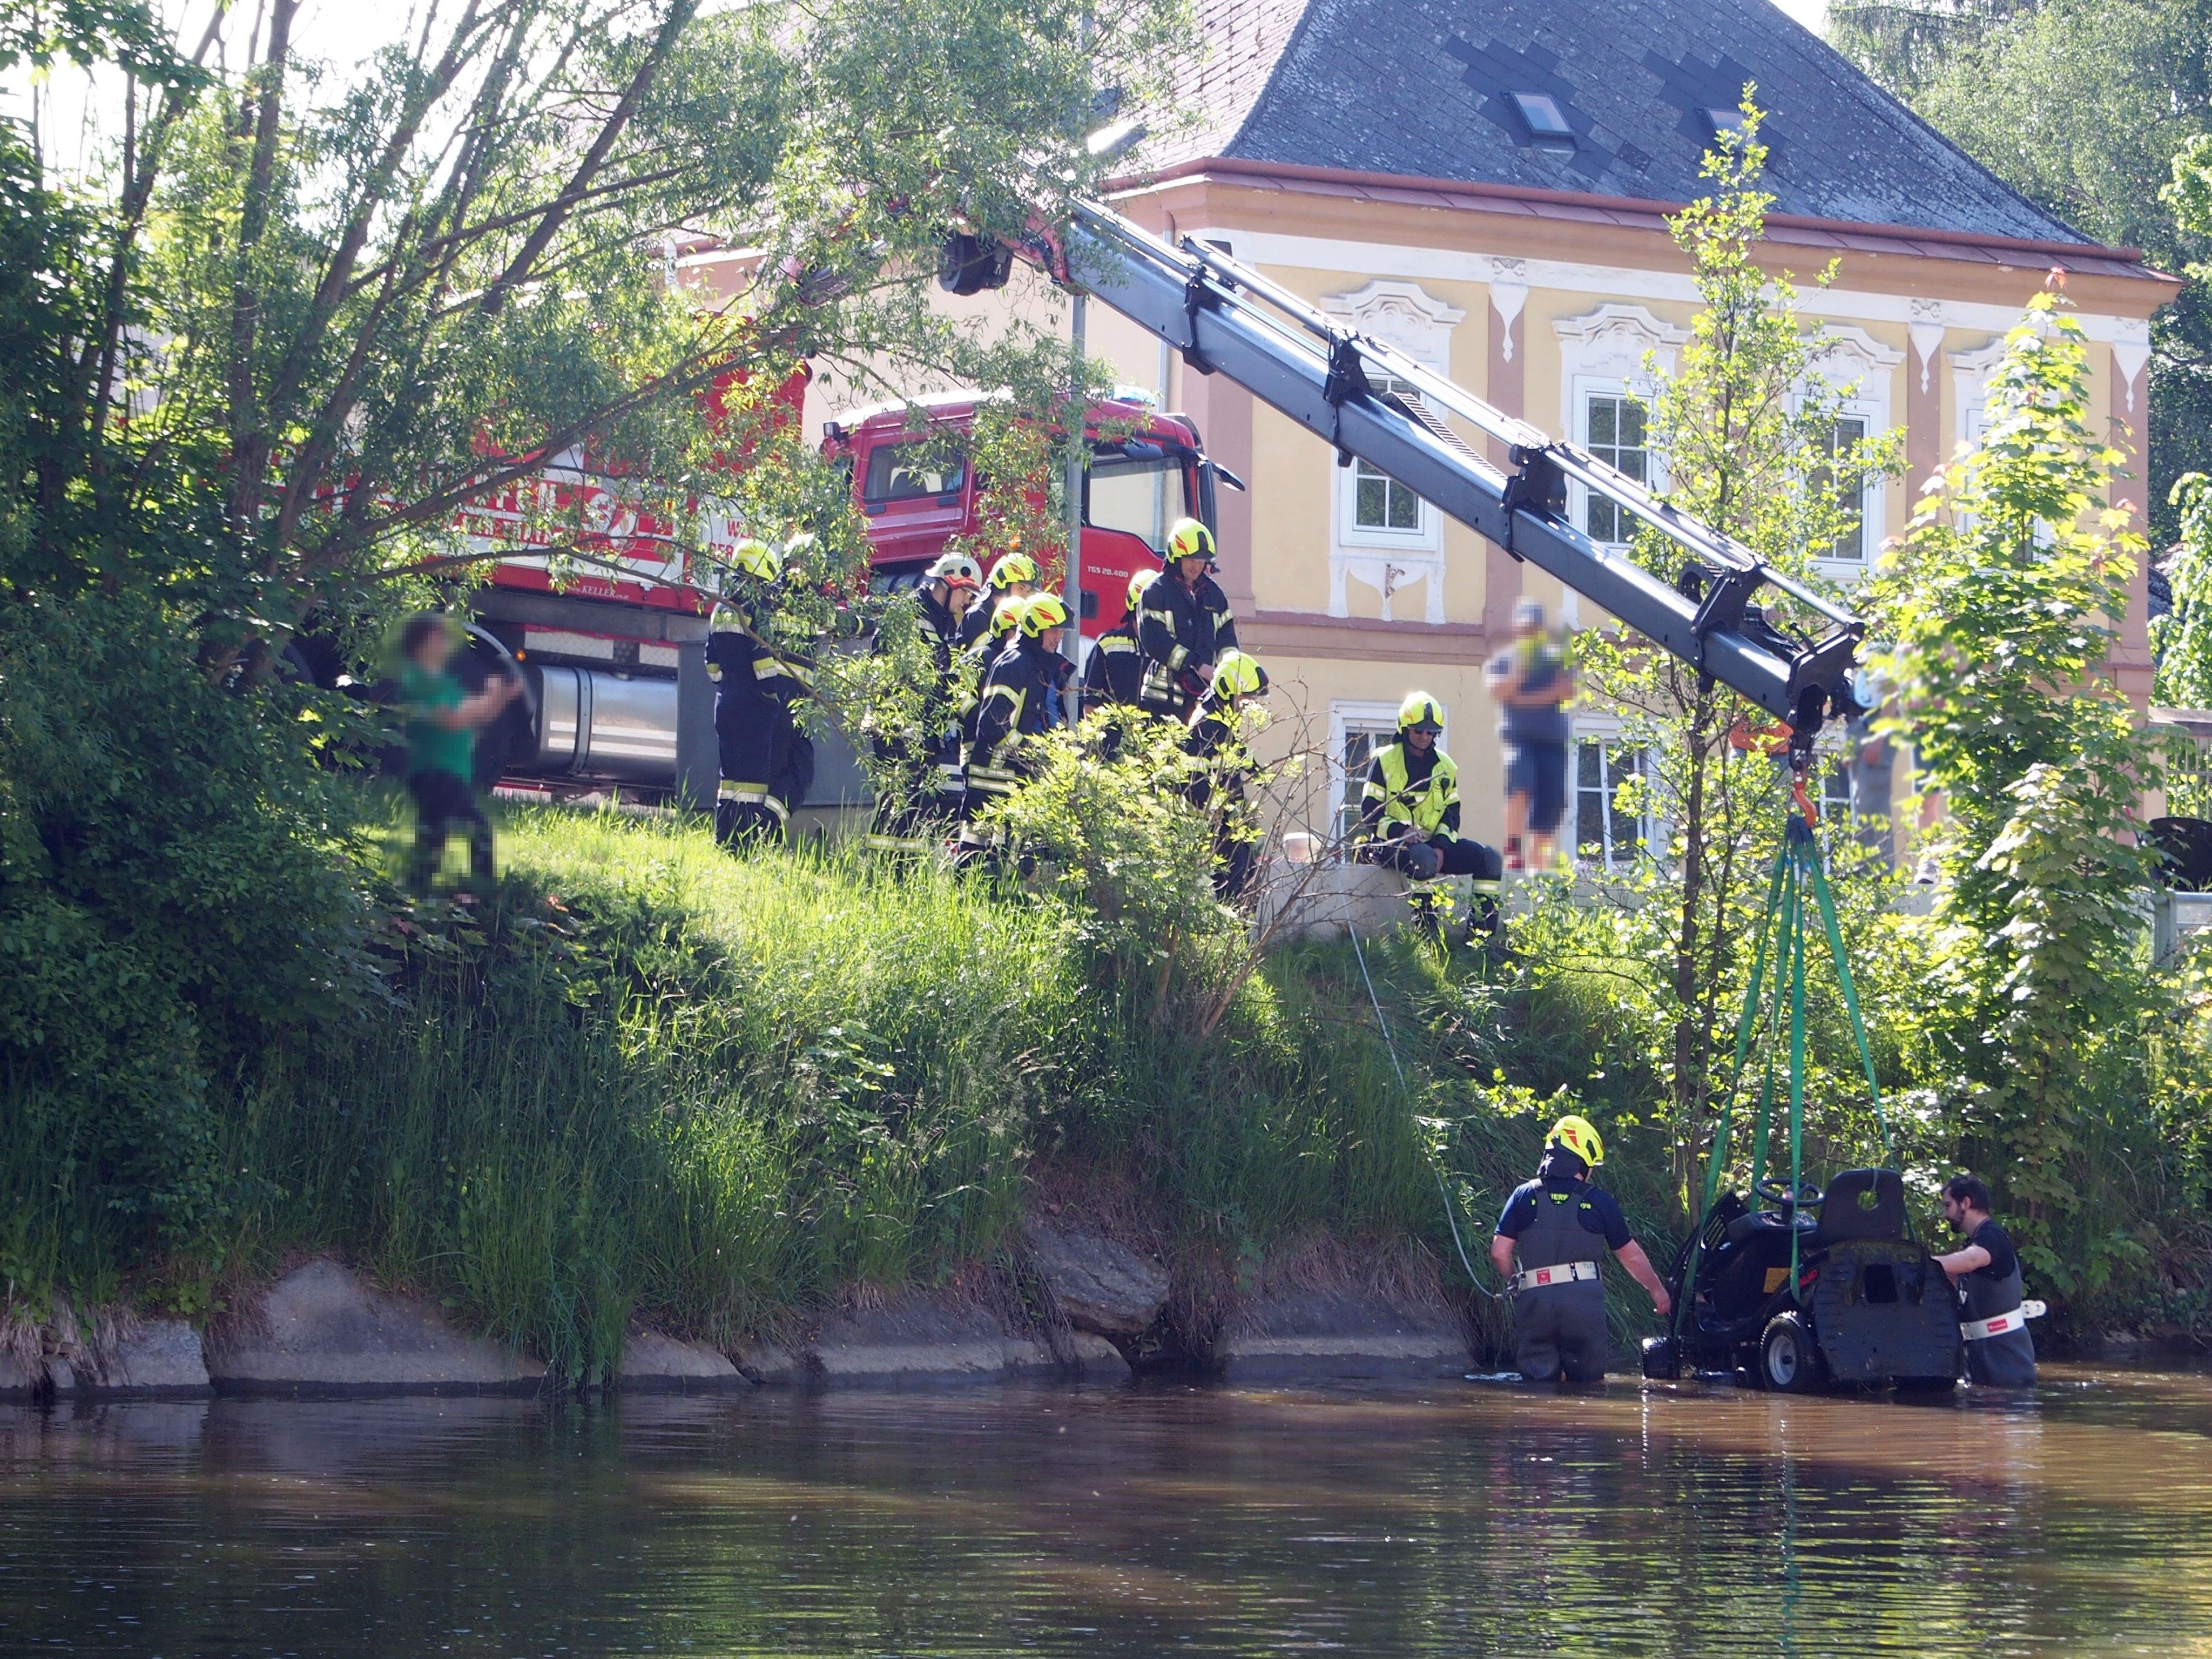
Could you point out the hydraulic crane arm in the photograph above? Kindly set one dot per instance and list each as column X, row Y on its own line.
column 1227, row 319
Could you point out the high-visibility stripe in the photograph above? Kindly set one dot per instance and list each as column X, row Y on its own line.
column 2015, row 1319
column 1564, row 1273
column 733, row 789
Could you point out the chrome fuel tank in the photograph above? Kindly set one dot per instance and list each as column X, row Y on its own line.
column 593, row 724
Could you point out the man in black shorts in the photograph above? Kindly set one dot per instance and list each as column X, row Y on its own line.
column 1531, row 682
column 2000, row 1353
column 1557, row 1224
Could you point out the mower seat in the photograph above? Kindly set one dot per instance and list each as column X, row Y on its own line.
column 1861, row 1204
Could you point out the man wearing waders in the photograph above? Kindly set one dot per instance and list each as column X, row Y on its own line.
column 2000, row 1353
column 1557, row 1223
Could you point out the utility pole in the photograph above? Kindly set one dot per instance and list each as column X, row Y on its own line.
column 1078, row 414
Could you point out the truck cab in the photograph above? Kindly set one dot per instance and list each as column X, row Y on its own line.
column 912, row 483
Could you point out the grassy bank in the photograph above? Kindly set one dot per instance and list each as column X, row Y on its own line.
column 645, row 1080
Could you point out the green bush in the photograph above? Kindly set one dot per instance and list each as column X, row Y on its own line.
column 171, row 890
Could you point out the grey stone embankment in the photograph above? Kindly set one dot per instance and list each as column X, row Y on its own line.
column 1079, row 1304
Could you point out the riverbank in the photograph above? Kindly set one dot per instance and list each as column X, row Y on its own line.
column 794, row 1114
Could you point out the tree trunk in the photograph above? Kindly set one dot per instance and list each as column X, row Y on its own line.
column 1689, row 1070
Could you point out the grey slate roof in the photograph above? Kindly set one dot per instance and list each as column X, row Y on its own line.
column 1420, row 88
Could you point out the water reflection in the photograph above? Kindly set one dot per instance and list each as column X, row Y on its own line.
column 1463, row 1520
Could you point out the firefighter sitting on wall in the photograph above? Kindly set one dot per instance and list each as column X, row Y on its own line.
column 1409, row 811
column 1183, row 625
column 1019, row 698
column 766, row 763
column 1013, row 578
column 930, row 786
column 1215, row 738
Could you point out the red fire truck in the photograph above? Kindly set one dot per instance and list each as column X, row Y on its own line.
column 616, row 666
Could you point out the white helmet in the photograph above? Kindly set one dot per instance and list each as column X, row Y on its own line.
column 957, row 568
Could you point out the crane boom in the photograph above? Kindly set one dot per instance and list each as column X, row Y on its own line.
column 1227, row 319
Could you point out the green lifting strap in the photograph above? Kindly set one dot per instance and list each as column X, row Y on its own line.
column 1798, row 885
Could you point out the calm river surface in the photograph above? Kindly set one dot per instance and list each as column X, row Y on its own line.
column 1463, row 1519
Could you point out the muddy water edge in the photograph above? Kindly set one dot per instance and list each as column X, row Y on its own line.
column 1454, row 1519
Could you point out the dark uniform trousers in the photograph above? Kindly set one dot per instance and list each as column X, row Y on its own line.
column 1018, row 699
column 1179, row 629
column 928, row 784
column 1113, row 678
column 1559, row 1330
column 1236, row 848
column 766, row 765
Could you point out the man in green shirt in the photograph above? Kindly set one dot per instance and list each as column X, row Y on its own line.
column 442, row 722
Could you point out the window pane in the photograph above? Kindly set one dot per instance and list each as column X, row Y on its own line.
column 1370, row 510
column 1405, row 507
column 1142, row 497
column 907, row 471
column 1603, row 431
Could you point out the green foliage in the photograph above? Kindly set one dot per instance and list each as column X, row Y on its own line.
column 1745, row 428
column 1127, row 860
column 172, row 892
column 2080, row 105
column 2002, row 601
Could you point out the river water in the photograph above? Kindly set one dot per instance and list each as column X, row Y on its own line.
column 1461, row 1519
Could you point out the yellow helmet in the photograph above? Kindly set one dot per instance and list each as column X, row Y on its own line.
column 1238, row 675
column 1576, row 1134
column 1040, row 612
column 1138, row 583
column 1422, row 713
column 1011, row 568
column 1005, row 614
column 1190, row 539
column 756, row 558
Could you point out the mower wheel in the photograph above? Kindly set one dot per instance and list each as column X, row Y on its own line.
column 1787, row 1362
column 1662, row 1360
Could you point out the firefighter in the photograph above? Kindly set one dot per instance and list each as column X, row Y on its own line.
column 929, row 770
column 1409, row 811
column 1019, row 698
column 1114, row 678
column 1216, row 739
column 1183, row 625
column 1013, row 577
column 2000, row 1353
column 1558, row 1222
column 766, row 764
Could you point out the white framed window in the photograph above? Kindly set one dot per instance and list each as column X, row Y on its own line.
column 1608, row 360
column 1609, row 827
column 1839, row 795
column 1612, row 424
column 1381, row 534
column 1356, row 730
column 1861, row 370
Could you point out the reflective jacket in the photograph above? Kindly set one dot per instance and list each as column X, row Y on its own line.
column 736, row 654
column 1405, row 791
column 1019, row 698
column 1179, row 629
column 1116, row 673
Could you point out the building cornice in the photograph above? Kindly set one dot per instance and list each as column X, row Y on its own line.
column 1642, row 213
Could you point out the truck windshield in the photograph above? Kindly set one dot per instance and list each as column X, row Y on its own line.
column 908, row 471
column 1140, row 495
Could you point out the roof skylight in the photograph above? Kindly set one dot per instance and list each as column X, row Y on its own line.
column 1724, row 120
column 1543, row 113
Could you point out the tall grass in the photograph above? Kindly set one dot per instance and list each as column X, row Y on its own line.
column 645, row 1080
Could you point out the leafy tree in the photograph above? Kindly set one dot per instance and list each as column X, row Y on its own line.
column 1746, row 433
column 2080, row 105
column 2001, row 601
column 321, row 314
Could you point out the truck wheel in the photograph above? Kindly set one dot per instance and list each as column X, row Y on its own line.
column 1788, row 1363
column 1663, row 1361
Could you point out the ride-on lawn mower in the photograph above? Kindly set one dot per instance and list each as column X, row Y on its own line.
column 1868, row 1305
column 1844, row 1294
